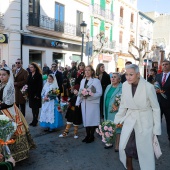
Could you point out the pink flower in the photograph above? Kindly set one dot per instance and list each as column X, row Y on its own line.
column 111, row 134
column 107, row 134
column 103, row 140
column 100, row 127
column 91, row 94
column 105, row 127
column 110, row 128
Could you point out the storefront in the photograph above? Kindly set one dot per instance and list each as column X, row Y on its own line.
column 41, row 50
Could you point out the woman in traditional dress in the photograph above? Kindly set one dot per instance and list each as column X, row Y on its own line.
column 90, row 106
column 50, row 118
column 23, row 141
column 140, row 113
column 35, row 84
column 105, row 81
column 112, row 90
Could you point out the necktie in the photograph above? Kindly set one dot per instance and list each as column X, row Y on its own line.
column 164, row 79
column 16, row 72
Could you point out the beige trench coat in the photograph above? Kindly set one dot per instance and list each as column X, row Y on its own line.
column 141, row 113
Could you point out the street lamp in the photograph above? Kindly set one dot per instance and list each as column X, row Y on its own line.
column 83, row 26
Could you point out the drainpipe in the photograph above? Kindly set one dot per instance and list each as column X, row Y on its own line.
column 21, row 28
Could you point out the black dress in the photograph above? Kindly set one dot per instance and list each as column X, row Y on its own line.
column 35, row 85
column 73, row 113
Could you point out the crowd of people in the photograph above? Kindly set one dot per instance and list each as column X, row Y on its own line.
column 90, row 96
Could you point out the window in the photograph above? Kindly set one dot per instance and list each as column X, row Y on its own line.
column 121, row 11
column 59, row 17
column 132, row 18
column 34, row 12
column 78, row 22
column 120, row 37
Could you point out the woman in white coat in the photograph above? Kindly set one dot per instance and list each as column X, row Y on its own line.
column 140, row 113
column 90, row 105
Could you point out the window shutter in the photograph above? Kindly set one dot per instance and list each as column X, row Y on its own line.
column 102, row 24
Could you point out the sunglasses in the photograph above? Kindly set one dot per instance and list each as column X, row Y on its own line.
column 17, row 63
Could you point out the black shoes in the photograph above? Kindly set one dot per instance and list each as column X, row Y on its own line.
column 88, row 140
column 85, row 139
column 107, row 147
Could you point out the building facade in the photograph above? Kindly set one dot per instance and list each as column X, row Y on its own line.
column 125, row 29
column 101, row 33
column 41, row 32
column 161, row 33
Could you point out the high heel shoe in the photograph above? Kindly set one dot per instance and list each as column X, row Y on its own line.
column 90, row 140
column 85, row 139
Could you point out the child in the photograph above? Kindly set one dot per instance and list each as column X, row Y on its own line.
column 50, row 118
column 73, row 115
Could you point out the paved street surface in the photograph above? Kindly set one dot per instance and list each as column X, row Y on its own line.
column 54, row 153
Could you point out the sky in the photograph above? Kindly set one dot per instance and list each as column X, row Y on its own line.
column 161, row 6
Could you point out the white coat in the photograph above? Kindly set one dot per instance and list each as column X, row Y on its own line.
column 91, row 105
column 141, row 113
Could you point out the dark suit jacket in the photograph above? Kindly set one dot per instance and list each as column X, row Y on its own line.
column 20, row 79
column 162, row 101
column 123, row 78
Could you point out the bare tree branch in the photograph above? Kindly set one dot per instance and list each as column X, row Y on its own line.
column 133, row 56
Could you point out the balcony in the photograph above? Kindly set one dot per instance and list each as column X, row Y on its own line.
column 107, row 14
column 52, row 24
column 1, row 20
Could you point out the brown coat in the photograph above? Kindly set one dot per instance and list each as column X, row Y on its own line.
column 20, row 80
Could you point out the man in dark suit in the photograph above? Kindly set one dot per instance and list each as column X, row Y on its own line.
column 123, row 77
column 58, row 74
column 20, row 79
column 164, row 81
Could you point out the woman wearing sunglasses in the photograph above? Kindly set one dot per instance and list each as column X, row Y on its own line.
column 110, row 109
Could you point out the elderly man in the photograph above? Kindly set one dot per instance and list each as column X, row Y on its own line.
column 164, row 100
column 20, row 79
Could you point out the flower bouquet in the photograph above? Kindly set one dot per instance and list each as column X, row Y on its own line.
column 107, row 130
column 158, row 87
column 52, row 94
column 86, row 92
column 116, row 103
column 7, row 129
column 24, row 91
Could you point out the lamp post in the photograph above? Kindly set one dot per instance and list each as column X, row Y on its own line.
column 83, row 26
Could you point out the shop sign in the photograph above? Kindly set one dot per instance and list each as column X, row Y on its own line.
column 105, row 57
column 3, row 38
column 59, row 44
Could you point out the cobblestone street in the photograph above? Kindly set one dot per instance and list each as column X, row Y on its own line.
column 71, row 154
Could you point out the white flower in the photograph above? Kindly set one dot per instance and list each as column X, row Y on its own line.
column 3, row 117
column 14, row 125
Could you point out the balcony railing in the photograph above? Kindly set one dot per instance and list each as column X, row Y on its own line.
column 1, row 19
column 106, row 45
column 107, row 14
column 46, row 22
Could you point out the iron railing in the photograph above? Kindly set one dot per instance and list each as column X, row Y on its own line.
column 1, row 19
column 46, row 22
column 107, row 14
column 106, row 45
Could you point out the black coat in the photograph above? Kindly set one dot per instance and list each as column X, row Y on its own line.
column 35, row 85
column 105, row 81
column 162, row 101
column 123, row 78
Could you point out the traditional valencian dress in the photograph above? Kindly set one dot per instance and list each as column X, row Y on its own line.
column 50, row 117
column 23, row 141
